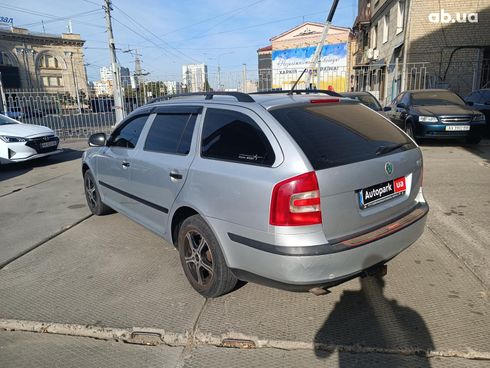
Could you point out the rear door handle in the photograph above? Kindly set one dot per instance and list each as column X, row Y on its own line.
column 126, row 164
column 175, row 175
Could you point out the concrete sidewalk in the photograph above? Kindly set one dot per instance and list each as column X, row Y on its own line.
column 106, row 280
column 109, row 272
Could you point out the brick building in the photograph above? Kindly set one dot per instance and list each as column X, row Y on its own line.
column 409, row 44
column 51, row 63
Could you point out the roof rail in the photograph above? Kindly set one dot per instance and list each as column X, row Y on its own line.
column 240, row 96
column 299, row 92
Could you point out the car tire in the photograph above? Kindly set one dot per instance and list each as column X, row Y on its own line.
column 202, row 259
column 409, row 129
column 473, row 139
column 92, row 195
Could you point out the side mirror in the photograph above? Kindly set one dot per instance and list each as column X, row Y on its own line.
column 97, row 140
column 401, row 105
column 470, row 103
column 387, row 108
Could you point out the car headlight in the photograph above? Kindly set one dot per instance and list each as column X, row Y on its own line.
column 479, row 117
column 9, row 139
column 428, row 119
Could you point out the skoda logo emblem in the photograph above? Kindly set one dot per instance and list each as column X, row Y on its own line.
column 389, row 168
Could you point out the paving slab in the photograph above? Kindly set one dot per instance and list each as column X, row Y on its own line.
column 40, row 198
column 429, row 301
column 456, row 183
column 36, row 213
column 106, row 271
column 26, row 350
column 202, row 357
column 18, row 176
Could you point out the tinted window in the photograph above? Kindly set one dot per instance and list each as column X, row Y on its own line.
column 406, row 99
column 127, row 135
column 339, row 134
column 398, row 99
column 427, row 98
column 474, row 97
column 369, row 101
column 230, row 135
column 171, row 133
column 486, row 97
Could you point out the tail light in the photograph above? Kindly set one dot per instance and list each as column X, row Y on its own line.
column 296, row 202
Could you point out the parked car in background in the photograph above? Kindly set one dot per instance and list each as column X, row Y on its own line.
column 365, row 98
column 21, row 142
column 14, row 113
column 436, row 113
column 294, row 191
column 480, row 100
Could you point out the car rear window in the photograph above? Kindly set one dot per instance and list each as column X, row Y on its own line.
column 340, row 134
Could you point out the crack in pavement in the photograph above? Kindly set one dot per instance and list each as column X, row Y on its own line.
column 191, row 338
column 32, row 185
column 459, row 258
column 195, row 338
column 44, row 241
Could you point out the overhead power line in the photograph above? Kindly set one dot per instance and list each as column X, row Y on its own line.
column 72, row 16
column 154, row 35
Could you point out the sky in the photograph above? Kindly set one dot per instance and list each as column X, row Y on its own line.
column 169, row 33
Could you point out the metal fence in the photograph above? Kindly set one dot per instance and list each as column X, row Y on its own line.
column 79, row 116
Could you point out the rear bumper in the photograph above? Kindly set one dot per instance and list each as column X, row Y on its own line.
column 304, row 267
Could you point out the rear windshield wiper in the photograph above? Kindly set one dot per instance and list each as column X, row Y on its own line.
column 382, row 150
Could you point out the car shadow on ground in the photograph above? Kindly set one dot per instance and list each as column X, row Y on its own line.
column 482, row 149
column 367, row 319
column 9, row 171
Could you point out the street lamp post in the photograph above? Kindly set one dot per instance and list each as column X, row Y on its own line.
column 75, row 81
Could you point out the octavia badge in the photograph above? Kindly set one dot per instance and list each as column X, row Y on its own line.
column 389, row 168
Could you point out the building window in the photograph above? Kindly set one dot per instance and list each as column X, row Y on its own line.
column 374, row 37
column 52, row 81
column 5, row 59
column 49, row 62
column 400, row 17
column 386, row 26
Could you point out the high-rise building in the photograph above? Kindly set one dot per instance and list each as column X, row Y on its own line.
column 105, row 74
column 125, row 76
column 195, row 77
column 173, row 87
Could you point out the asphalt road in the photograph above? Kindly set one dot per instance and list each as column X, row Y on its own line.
column 69, row 276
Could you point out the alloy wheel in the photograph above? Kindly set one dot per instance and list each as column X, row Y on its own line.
column 91, row 191
column 198, row 258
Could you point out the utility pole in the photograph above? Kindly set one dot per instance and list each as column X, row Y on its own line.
column 138, row 72
column 315, row 60
column 118, row 101
column 244, row 78
column 2, row 96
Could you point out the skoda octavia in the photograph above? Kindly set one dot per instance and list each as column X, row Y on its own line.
column 297, row 191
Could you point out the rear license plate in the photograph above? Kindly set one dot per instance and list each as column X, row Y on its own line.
column 459, row 128
column 48, row 144
column 381, row 192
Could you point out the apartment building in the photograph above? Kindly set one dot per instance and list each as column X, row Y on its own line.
column 417, row 44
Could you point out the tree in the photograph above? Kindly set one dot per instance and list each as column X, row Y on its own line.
column 207, row 87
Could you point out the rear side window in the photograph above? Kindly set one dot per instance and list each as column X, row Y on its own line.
column 233, row 136
column 340, row 134
column 171, row 133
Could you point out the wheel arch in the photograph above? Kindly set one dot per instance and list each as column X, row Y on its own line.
column 178, row 217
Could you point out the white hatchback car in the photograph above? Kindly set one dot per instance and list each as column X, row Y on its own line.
column 21, row 142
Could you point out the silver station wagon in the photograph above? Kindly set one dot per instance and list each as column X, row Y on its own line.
column 300, row 190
